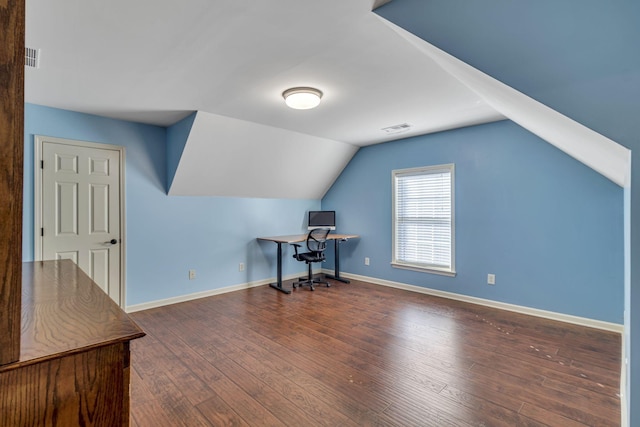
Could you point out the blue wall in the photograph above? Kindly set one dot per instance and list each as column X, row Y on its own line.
column 524, row 211
column 167, row 236
column 550, row 228
column 579, row 57
column 177, row 136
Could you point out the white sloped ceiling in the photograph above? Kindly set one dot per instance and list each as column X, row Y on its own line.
column 224, row 156
column 158, row 61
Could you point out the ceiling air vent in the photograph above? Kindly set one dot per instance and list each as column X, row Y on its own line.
column 397, row 128
column 32, row 57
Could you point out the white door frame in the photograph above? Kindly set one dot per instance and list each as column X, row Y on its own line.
column 39, row 140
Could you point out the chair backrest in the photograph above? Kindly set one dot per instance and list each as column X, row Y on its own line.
column 317, row 239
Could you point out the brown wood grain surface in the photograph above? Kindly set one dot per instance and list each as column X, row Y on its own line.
column 12, row 15
column 74, row 364
column 64, row 311
column 362, row 354
column 84, row 389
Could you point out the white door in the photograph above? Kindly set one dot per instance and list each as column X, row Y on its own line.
column 81, row 207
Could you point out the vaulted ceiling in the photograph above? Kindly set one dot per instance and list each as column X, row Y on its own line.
column 157, row 62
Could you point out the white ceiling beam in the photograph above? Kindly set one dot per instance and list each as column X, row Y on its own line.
column 600, row 153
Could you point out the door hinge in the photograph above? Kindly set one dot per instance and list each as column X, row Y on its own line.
column 41, row 232
column 41, row 164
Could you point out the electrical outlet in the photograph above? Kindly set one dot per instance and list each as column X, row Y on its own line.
column 366, row 260
column 491, row 279
column 241, row 266
column 192, row 274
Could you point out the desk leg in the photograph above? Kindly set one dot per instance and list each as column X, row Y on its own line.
column 336, row 276
column 278, row 284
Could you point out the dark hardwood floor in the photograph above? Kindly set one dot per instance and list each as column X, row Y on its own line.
column 367, row 355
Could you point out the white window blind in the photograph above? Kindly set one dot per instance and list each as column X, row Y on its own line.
column 423, row 218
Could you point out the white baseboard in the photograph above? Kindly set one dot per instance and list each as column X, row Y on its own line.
column 203, row 294
column 582, row 321
column 567, row 318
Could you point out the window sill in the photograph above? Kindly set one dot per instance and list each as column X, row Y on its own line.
column 432, row 270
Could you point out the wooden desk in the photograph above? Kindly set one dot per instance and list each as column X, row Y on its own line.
column 295, row 238
column 74, row 352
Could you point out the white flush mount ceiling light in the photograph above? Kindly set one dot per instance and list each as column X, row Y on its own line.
column 302, row 98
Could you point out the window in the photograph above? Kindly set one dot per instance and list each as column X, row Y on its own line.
column 423, row 214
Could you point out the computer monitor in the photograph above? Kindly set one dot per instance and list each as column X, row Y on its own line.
column 322, row 219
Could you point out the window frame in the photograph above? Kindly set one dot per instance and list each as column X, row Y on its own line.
column 424, row 170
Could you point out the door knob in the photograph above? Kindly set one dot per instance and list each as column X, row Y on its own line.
column 112, row 241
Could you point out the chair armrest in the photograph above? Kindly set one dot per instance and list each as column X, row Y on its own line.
column 295, row 247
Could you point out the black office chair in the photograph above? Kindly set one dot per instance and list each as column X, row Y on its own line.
column 316, row 244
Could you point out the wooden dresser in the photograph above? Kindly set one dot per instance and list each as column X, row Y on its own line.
column 74, row 353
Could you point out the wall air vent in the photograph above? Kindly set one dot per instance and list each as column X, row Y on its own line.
column 32, row 57
column 397, row 128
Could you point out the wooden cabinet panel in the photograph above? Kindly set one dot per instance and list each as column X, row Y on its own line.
column 83, row 389
column 74, row 360
column 12, row 14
